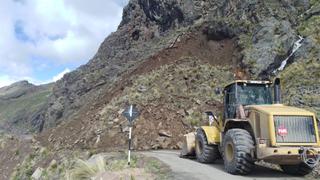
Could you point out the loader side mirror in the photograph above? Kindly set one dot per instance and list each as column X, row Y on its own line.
column 277, row 91
column 211, row 117
column 218, row 91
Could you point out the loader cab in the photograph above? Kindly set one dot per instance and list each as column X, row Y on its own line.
column 245, row 93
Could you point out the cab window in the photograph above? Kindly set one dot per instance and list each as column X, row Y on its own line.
column 230, row 102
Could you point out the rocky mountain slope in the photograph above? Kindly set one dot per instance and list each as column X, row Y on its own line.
column 21, row 105
column 264, row 34
column 252, row 38
column 168, row 57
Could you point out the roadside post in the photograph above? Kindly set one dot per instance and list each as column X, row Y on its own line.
column 131, row 113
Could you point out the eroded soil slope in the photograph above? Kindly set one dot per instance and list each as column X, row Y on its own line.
column 172, row 89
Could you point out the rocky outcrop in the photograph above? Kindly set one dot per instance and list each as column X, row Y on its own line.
column 271, row 43
column 164, row 13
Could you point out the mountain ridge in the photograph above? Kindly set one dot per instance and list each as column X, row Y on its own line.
column 21, row 106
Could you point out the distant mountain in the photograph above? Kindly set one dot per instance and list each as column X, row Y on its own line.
column 16, row 90
column 20, row 106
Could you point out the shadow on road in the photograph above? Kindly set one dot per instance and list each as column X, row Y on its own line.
column 257, row 173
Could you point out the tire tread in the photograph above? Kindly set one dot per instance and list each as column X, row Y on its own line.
column 243, row 143
column 210, row 153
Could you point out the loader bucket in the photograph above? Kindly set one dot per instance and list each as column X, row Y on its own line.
column 188, row 148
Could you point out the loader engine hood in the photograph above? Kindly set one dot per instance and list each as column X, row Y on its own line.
column 279, row 109
column 286, row 125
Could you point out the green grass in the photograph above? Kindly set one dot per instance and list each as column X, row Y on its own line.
column 85, row 170
column 25, row 170
column 88, row 170
column 314, row 2
column 301, row 85
column 311, row 27
column 189, row 84
column 29, row 103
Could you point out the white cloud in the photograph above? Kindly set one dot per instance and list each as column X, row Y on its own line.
column 5, row 81
column 60, row 75
column 59, row 32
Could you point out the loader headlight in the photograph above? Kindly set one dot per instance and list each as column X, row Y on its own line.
column 262, row 141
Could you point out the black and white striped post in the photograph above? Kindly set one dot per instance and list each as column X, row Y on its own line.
column 129, row 150
column 131, row 113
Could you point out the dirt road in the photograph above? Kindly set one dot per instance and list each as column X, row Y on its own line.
column 186, row 169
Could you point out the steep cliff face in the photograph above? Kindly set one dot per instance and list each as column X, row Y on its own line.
column 263, row 33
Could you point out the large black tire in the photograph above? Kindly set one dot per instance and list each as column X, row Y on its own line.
column 237, row 147
column 205, row 153
column 297, row 170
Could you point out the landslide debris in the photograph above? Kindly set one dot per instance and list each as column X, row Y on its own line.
column 172, row 100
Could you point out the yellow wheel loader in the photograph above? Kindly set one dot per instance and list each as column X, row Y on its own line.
column 257, row 127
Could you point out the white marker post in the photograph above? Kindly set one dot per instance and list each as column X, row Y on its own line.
column 130, row 131
column 131, row 113
column 129, row 151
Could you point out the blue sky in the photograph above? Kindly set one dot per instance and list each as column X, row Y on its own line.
column 41, row 40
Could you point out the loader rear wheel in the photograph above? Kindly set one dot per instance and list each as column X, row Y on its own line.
column 237, row 146
column 205, row 153
column 298, row 170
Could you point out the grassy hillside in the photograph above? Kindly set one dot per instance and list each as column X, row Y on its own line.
column 21, row 102
column 174, row 95
column 301, row 79
column 301, row 85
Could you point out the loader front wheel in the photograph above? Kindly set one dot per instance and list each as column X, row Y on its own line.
column 205, row 153
column 237, row 147
column 298, row 170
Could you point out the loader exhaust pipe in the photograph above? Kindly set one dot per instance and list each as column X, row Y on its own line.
column 277, row 91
